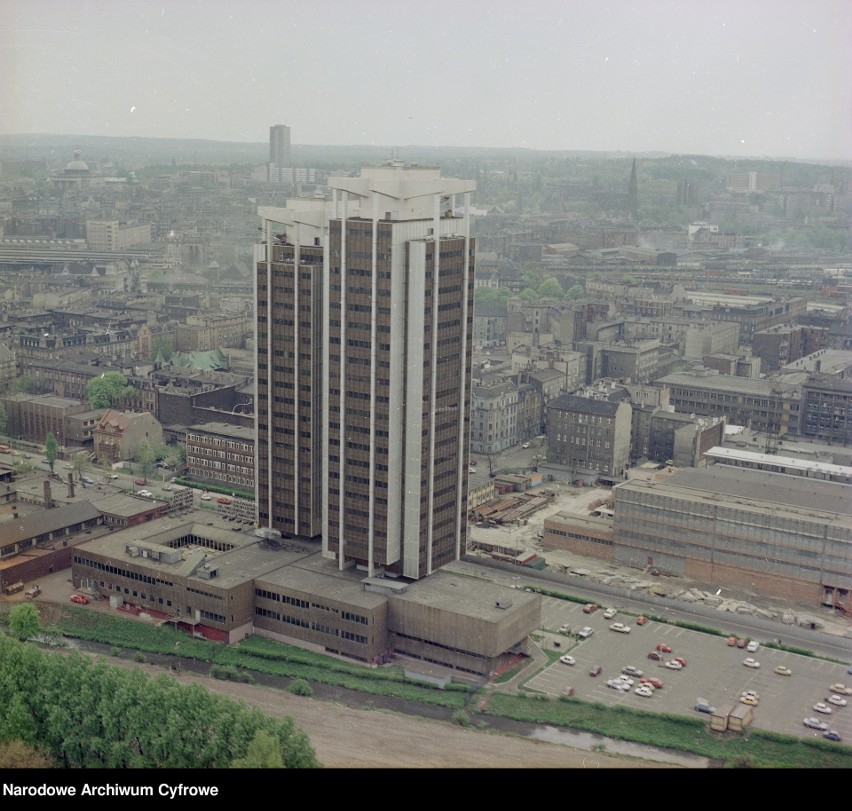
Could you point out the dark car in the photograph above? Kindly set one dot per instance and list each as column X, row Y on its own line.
column 832, row 735
column 654, row 655
column 704, row 706
column 596, row 670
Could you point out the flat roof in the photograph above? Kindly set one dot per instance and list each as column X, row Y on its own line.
column 757, row 488
column 470, row 596
column 791, row 462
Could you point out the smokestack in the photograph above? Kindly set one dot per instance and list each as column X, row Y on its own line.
column 70, row 485
column 48, row 500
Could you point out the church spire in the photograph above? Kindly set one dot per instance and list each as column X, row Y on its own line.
column 633, row 194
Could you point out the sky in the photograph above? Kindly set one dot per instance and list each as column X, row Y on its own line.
column 738, row 78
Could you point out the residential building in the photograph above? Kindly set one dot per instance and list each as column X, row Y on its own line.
column 118, row 435
column 782, row 344
column 221, row 454
column 589, row 435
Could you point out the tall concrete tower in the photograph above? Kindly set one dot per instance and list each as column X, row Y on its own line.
column 279, row 146
column 364, row 366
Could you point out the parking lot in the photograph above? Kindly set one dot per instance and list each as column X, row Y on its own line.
column 714, row 671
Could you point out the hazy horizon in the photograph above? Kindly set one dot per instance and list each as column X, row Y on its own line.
column 759, row 79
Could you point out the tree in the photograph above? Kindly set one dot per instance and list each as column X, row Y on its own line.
column 26, row 385
column 24, row 620
column 175, row 457
column 51, row 450
column 79, row 463
column 107, row 390
column 162, row 345
column 263, row 752
column 550, row 288
column 145, row 458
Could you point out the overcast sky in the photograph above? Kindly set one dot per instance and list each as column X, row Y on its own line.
column 764, row 78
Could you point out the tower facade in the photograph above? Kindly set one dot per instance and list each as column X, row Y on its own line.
column 279, row 145
column 388, row 343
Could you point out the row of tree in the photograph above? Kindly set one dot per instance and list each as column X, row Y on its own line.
column 87, row 714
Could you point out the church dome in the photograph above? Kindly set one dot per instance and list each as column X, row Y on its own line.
column 77, row 165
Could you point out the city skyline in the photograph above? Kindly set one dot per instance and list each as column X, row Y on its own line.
column 754, row 79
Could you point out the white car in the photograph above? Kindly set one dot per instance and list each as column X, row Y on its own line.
column 146, row 493
column 206, row 497
column 752, row 646
column 586, row 632
column 620, row 627
column 823, row 708
column 837, row 701
column 618, row 684
column 751, row 693
column 815, row 723
column 610, row 613
column 751, row 662
column 525, row 445
column 644, row 691
column 567, row 660
column 168, row 487
column 564, row 629
column 630, row 670
column 673, row 665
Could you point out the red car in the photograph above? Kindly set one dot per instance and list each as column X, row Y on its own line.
column 654, row 655
column 223, row 500
column 681, row 660
column 664, row 648
column 732, row 640
column 741, row 643
column 140, row 482
column 79, row 598
column 641, row 620
column 590, row 608
column 653, row 681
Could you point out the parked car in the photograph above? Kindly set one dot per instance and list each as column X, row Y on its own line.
column 822, row 707
column 644, row 691
column 139, row 482
column 656, row 683
column 751, row 662
column 732, row 641
column 832, row 735
column 654, row 655
column 663, row 648
column 596, row 670
column 206, row 497
column 87, row 479
column 113, row 476
column 620, row 627
column 567, row 660
column 783, row 670
column 145, row 493
column 681, row 660
column 631, row 671
column 751, row 700
column 223, row 500
column 525, row 445
column 841, row 689
column 80, row 599
column 641, row 619
column 585, row 633
column 168, row 487
column 568, row 691
column 702, row 705
column 673, row 665
column 837, row 701
column 815, row 723
column 590, row 608
column 752, row 693
column 741, row 643
column 752, row 646
column 617, row 684
column 610, row 613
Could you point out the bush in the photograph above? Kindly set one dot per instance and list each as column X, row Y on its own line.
column 116, row 651
column 300, row 687
column 139, row 656
column 461, row 718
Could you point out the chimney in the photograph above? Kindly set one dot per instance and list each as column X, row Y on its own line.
column 48, row 500
column 70, row 485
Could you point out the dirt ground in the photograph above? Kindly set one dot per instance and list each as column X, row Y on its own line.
column 349, row 738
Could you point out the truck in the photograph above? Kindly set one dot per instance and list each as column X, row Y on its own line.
column 32, row 592
column 14, row 588
column 740, row 717
column 719, row 719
